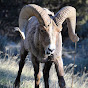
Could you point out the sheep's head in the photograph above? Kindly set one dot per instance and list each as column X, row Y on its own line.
column 48, row 36
column 50, row 27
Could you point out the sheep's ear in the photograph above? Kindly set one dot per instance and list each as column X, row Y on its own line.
column 22, row 33
column 16, row 28
column 59, row 28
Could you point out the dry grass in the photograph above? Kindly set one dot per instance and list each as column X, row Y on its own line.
column 9, row 68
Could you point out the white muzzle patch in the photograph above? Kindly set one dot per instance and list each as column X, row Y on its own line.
column 50, row 49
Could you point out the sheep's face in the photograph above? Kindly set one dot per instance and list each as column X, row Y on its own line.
column 48, row 36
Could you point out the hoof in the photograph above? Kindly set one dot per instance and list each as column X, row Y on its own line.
column 16, row 84
column 62, row 83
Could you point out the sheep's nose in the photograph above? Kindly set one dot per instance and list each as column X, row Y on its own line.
column 51, row 50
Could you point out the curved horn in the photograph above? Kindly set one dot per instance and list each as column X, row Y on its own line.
column 67, row 13
column 33, row 10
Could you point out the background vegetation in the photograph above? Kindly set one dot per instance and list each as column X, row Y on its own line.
column 10, row 9
column 10, row 45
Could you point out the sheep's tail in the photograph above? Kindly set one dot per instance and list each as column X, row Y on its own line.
column 21, row 32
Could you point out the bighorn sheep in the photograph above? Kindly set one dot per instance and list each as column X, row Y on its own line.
column 42, row 38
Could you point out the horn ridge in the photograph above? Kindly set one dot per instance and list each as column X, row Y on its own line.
column 67, row 13
column 33, row 10
column 63, row 14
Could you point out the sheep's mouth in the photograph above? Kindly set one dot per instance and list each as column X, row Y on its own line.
column 48, row 58
column 51, row 57
column 47, row 53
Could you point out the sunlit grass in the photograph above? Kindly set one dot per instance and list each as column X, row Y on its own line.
column 9, row 68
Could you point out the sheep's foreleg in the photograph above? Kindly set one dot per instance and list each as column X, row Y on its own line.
column 21, row 65
column 60, row 72
column 36, row 71
column 46, row 73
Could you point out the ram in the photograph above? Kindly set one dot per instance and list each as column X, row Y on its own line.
column 41, row 33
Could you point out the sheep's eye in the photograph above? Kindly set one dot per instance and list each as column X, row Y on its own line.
column 42, row 31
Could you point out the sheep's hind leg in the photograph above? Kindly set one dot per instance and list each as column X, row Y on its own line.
column 46, row 73
column 21, row 65
column 36, row 71
column 60, row 72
